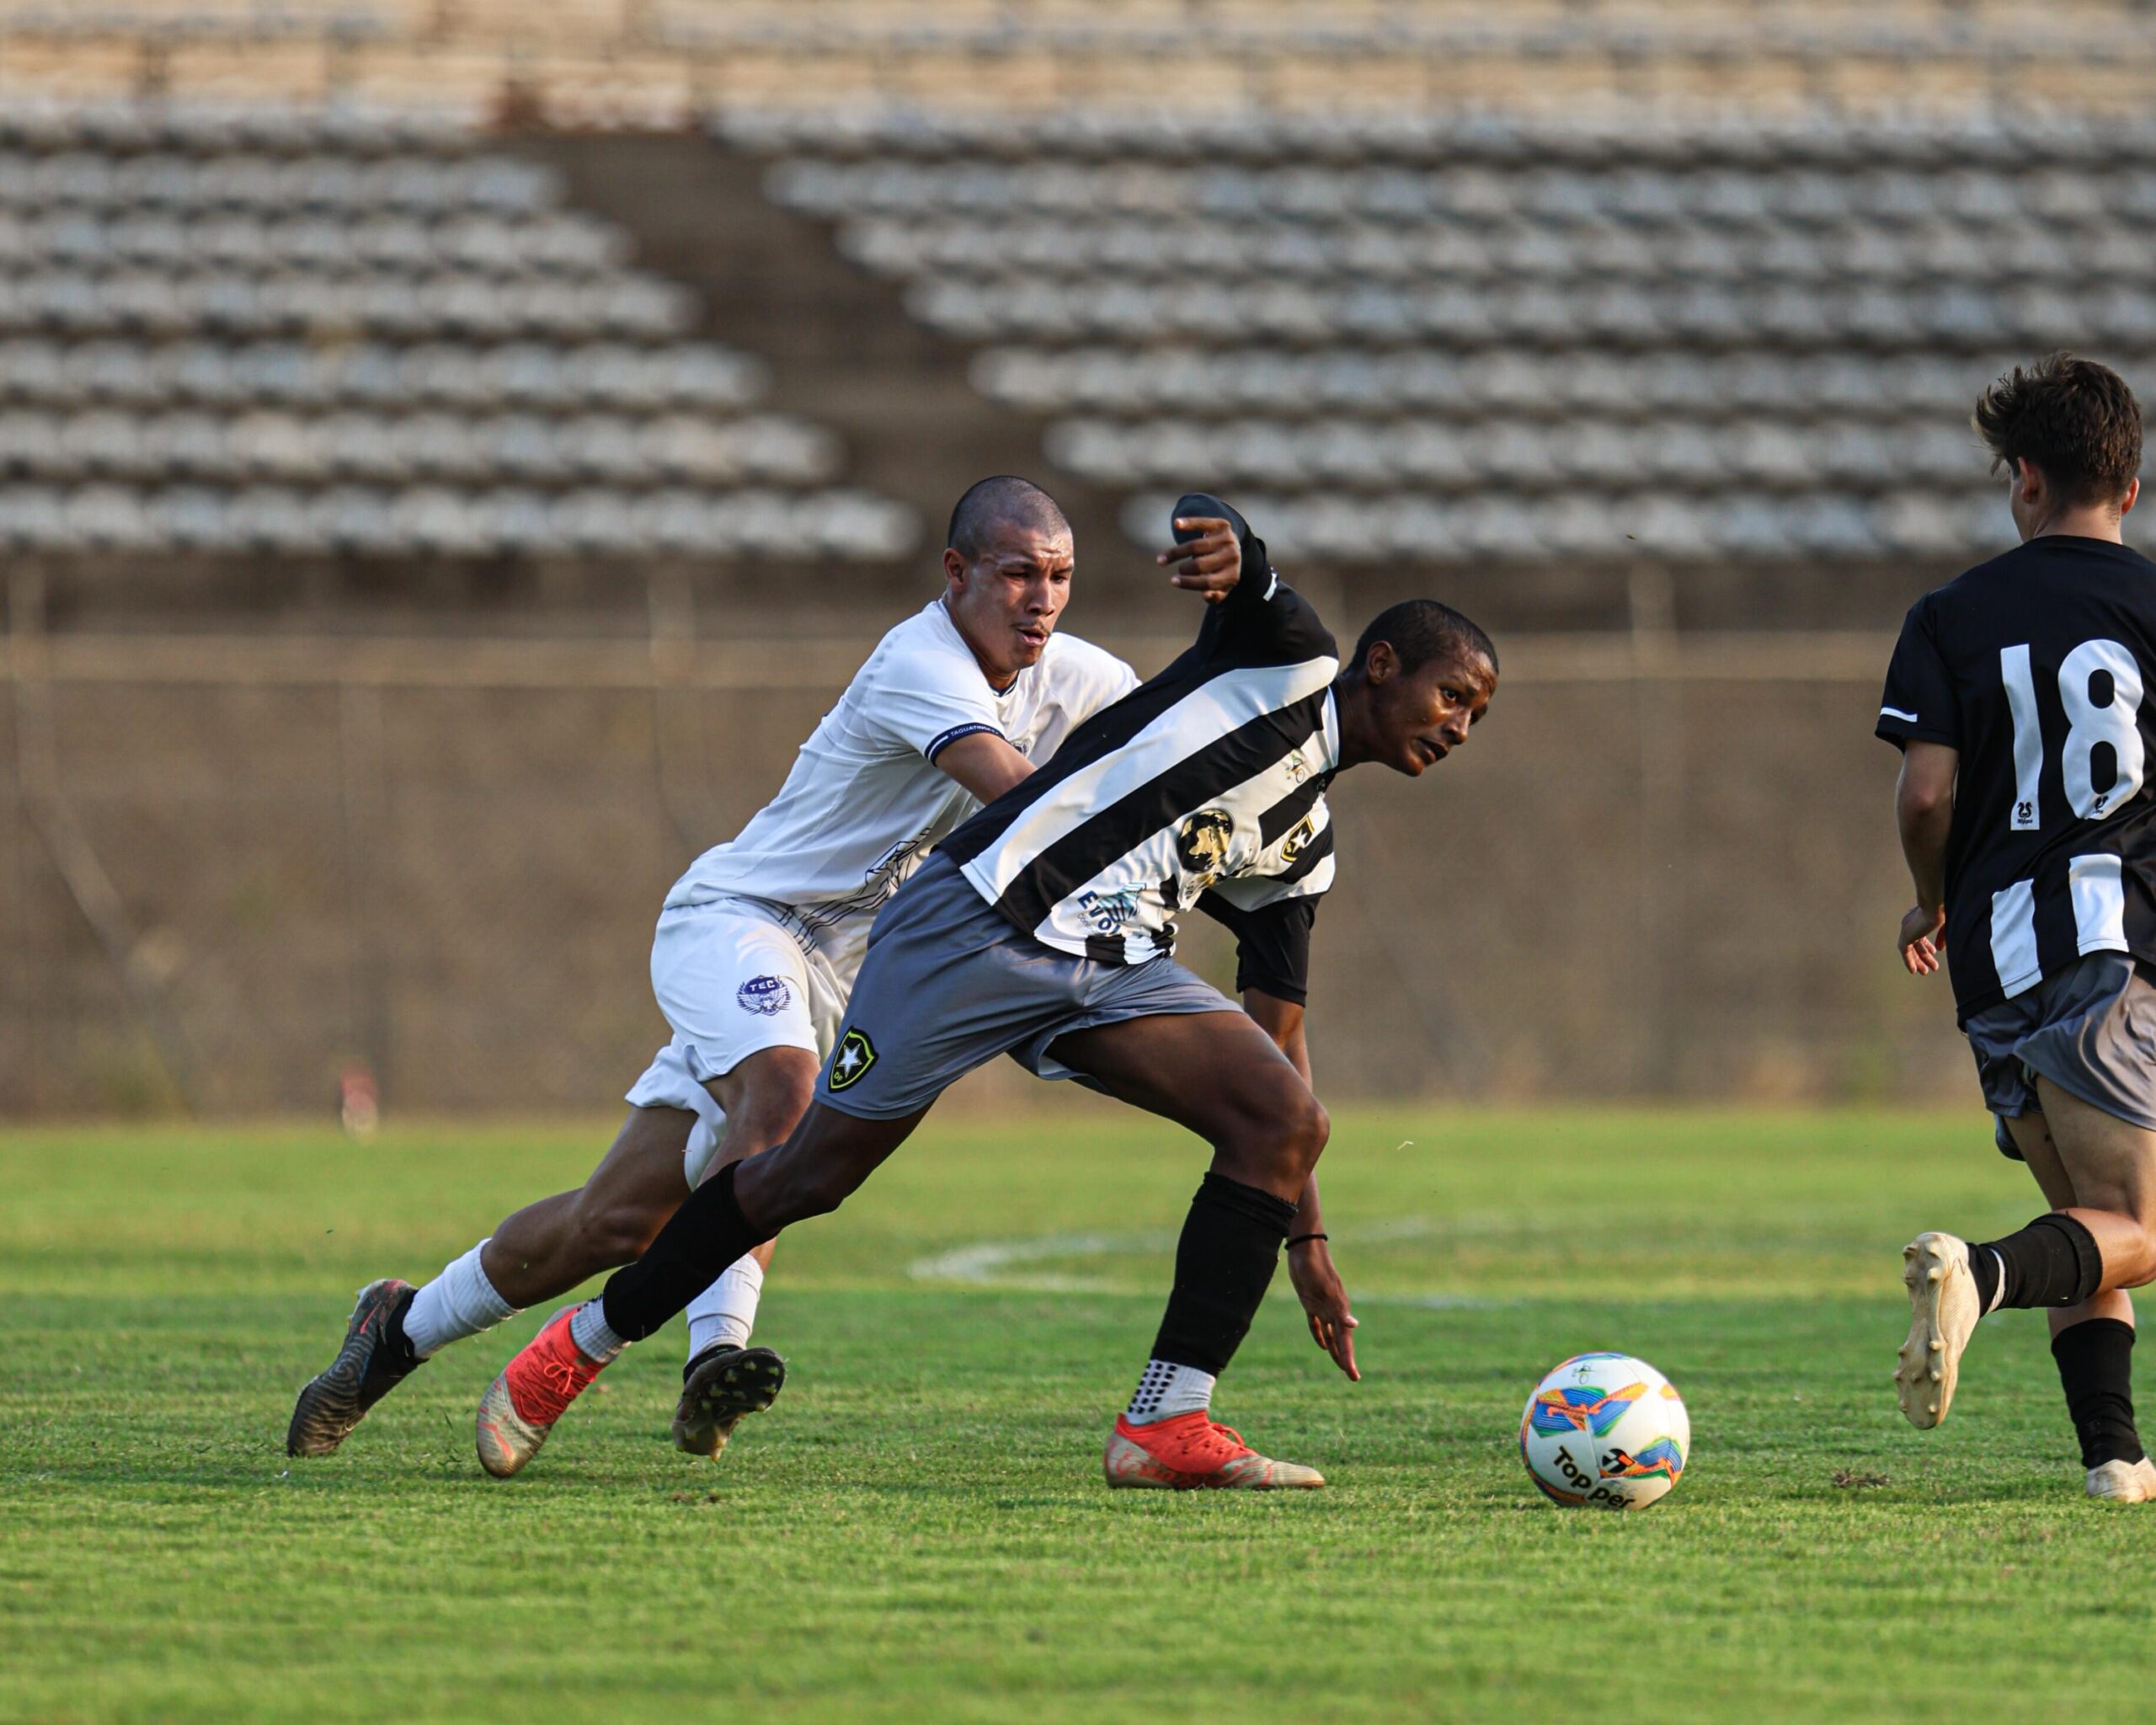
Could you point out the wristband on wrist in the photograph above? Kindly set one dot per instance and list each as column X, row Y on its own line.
column 1300, row 1239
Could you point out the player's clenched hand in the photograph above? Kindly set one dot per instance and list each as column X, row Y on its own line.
column 1318, row 1286
column 1920, row 938
column 1211, row 563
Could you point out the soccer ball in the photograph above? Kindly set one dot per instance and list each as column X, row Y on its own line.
column 1604, row 1429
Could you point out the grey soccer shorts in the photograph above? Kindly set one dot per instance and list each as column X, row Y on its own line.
column 2091, row 1030
column 948, row 984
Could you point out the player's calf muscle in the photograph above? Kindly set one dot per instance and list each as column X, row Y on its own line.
column 548, row 1247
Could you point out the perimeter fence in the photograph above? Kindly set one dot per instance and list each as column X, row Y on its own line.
column 236, row 873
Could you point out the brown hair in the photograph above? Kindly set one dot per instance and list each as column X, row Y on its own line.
column 2073, row 418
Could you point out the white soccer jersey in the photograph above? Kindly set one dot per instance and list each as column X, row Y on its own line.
column 865, row 801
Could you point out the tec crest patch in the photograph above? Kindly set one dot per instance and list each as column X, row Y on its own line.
column 767, row 995
column 855, row 1054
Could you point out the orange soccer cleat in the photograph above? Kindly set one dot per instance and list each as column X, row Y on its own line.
column 1190, row 1452
column 534, row 1390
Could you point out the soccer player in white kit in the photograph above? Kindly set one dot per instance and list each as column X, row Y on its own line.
column 755, row 954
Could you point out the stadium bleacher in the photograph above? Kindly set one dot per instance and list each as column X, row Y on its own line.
column 265, row 329
column 653, row 61
column 1440, row 337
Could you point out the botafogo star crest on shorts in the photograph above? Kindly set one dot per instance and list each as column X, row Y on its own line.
column 855, row 1054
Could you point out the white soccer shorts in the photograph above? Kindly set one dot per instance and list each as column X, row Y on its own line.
column 732, row 978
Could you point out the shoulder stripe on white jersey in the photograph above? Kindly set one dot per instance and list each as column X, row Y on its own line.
column 2013, row 938
column 2097, row 886
column 938, row 744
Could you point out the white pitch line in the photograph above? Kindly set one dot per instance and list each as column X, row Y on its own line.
column 1000, row 1263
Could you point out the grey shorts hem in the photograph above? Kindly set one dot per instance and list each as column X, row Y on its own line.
column 2090, row 1029
column 1033, row 1056
column 2076, row 1084
column 841, row 1104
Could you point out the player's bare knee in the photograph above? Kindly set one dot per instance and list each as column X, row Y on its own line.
column 796, row 1186
column 1279, row 1142
column 1306, row 1128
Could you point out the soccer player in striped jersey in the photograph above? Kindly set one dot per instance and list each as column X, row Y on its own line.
column 2016, row 696
column 1045, row 928
column 754, row 954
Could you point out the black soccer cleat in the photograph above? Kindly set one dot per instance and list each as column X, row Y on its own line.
column 721, row 1385
column 375, row 1358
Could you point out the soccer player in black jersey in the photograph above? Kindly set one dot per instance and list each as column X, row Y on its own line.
column 2026, row 814
column 1045, row 928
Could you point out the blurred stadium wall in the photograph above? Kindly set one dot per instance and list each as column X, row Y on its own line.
column 452, row 452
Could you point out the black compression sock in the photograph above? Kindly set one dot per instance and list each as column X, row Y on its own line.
column 707, row 1233
column 2053, row 1262
column 1225, row 1262
column 2095, row 1367
column 399, row 1341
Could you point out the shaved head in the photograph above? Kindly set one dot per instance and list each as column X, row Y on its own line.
column 1005, row 501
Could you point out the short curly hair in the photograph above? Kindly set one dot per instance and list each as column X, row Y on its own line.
column 2075, row 419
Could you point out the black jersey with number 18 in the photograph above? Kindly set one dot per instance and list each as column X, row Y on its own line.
column 2033, row 666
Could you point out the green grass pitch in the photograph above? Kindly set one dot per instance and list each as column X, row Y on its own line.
column 918, row 1531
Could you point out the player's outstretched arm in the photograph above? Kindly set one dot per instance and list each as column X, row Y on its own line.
column 1309, row 1254
column 1923, row 811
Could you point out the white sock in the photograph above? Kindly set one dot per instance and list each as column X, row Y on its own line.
column 459, row 1302
column 593, row 1340
column 725, row 1312
column 1165, row 1389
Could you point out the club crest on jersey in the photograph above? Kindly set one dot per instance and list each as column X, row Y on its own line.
column 1291, row 847
column 768, row 996
column 855, row 1054
column 1201, row 842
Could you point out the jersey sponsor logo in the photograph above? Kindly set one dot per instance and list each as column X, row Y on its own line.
column 768, row 996
column 1201, row 842
column 855, row 1055
column 1107, row 911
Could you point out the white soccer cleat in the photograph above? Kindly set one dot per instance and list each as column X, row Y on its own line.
column 1942, row 1318
column 2123, row 1481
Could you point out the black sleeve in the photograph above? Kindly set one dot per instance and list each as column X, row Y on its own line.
column 1272, row 945
column 1262, row 621
column 1918, row 704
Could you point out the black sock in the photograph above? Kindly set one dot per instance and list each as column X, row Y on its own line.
column 2095, row 1366
column 1225, row 1262
column 2053, row 1262
column 400, row 1344
column 707, row 1233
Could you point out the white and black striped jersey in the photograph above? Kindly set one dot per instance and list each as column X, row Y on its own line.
column 1203, row 787
column 2033, row 666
